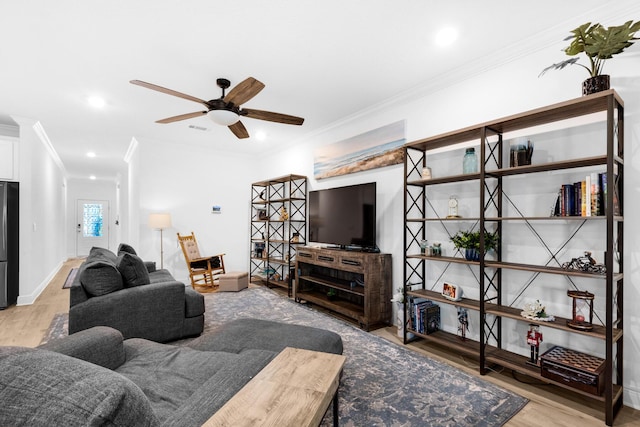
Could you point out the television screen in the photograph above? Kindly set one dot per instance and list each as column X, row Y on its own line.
column 344, row 216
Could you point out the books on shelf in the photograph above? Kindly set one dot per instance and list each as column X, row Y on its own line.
column 585, row 198
column 424, row 315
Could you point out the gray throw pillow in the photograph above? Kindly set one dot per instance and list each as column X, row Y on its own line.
column 100, row 278
column 133, row 270
column 123, row 247
column 102, row 254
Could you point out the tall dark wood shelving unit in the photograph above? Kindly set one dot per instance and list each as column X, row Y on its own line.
column 276, row 267
column 489, row 183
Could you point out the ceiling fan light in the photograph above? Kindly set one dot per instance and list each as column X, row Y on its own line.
column 223, row 117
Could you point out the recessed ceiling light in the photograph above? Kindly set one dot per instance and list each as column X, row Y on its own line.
column 261, row 136
column 96, row 101
column 91, row 154
column 446, row 36
column 92, row 177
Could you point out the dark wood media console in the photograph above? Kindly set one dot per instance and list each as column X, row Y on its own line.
column 359, row 281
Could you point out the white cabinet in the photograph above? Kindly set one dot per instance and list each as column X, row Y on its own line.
column 8, row 158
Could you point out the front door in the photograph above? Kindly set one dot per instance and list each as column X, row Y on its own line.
column 92, row 227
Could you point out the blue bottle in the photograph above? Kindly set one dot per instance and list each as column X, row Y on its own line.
column 470, row 161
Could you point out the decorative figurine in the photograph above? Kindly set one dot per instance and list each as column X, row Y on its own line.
column 295, row 238
column 463, row 322
column 437, row 249
column 585, row 263
column 426, row 172
column 534, row 338
column 284, row 215
column 259, row 249
column 453, row 207
column 423, row 247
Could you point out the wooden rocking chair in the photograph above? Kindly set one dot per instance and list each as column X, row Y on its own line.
column 203, row 271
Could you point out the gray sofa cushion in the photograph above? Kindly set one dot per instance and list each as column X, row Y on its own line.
column 102, row 254
column 100, row 278
column 43, row 388
column 133, row 270
column 160, row 276
column 100, row 345
column 238, row 335
column 185, row 386
column 194, row 303
column 123, row 247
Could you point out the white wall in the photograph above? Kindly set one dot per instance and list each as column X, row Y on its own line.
column 43, row 198
column 186, row 181
column 86, row 189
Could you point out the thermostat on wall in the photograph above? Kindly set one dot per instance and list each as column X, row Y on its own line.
column 216, row 209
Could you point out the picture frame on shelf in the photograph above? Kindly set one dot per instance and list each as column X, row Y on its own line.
column 451, row 292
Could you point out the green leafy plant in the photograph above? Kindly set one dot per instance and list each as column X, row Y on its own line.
column 598, row 44
column 471, row 240
column 331, row 293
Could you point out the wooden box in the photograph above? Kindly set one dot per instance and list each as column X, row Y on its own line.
column 579, row 370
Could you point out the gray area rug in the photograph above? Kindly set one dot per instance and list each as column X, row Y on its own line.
column 383, row 384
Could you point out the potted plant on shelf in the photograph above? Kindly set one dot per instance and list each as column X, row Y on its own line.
column 598, row 44
column 332, row 294
column 470, row 242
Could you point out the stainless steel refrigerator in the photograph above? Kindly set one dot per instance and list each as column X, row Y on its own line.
column 9, row 239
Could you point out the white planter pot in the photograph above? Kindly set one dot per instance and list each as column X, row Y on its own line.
column 401, row 322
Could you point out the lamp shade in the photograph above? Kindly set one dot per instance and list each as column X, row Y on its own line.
column 160, row 221
column 223, row 117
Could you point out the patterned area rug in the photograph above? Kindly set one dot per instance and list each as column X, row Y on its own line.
column 383, row 384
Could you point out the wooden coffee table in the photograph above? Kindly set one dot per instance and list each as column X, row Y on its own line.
column 294, row 389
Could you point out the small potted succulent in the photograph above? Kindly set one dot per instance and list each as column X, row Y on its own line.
column 470, row 242
column 599, row 44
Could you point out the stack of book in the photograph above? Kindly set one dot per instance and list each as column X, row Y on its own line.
column 584, row 198
column 425, row 315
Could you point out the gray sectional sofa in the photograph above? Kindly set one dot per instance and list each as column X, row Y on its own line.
column 96, row 378
column 125, row 293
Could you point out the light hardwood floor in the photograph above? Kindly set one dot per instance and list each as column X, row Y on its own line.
column 26, row 326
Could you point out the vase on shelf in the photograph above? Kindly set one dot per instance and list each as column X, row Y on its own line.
column 472, row 254
column 595, row 84
column 470, row 161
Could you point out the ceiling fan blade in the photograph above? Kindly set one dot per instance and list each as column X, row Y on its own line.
column 244, row 91
column 182, row 117
column 272, row 117
column 168, row 91
column 239, row 130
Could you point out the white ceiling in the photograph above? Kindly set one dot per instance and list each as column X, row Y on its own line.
column 321, row 60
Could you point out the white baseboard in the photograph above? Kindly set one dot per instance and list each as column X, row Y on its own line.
column 33, row 296
column 631, row 397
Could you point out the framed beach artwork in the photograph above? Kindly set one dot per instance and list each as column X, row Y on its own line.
column 374, row 149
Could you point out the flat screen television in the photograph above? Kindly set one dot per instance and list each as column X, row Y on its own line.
column 344, row 216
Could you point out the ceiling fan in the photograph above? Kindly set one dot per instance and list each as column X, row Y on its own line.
column 226, row 109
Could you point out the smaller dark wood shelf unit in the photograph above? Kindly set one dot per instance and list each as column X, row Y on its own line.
column 361, row 282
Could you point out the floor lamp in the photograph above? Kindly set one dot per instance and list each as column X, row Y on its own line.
column 160, row 221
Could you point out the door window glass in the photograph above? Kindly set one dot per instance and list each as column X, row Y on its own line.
column 92, row 220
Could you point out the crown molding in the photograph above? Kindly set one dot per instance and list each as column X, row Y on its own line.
column 9, row 130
